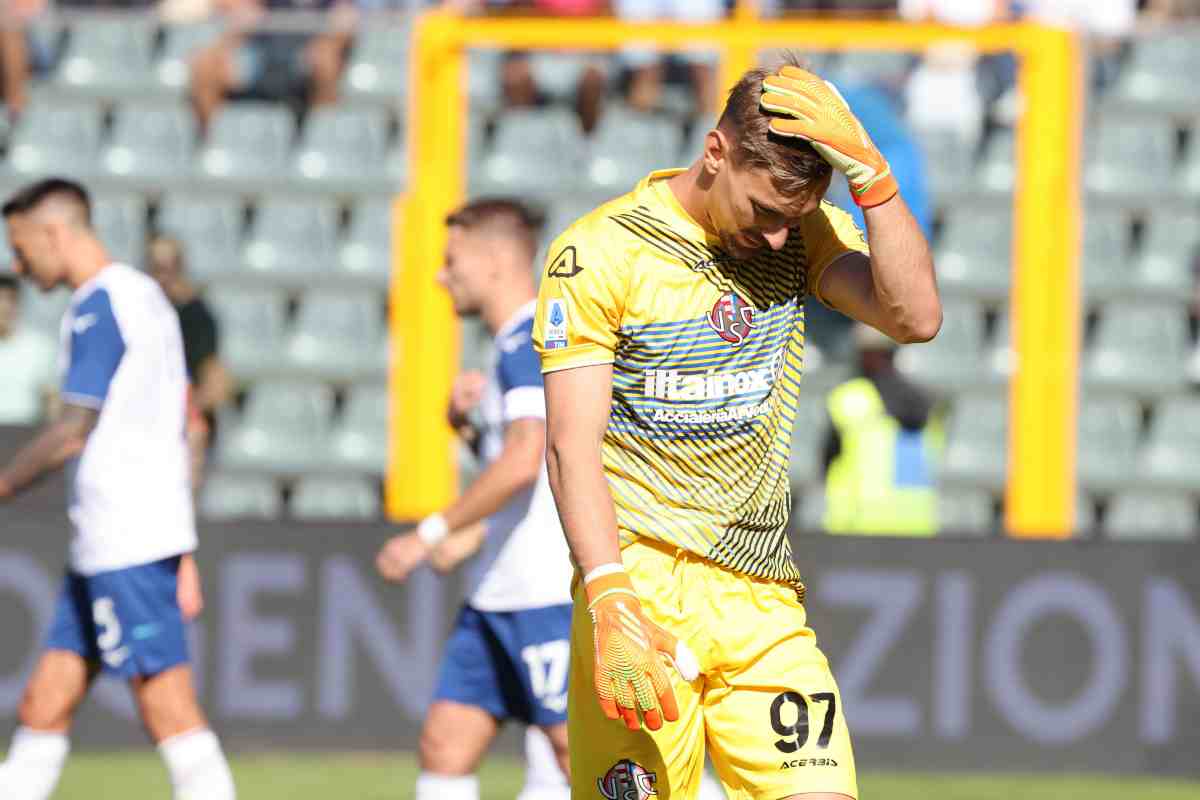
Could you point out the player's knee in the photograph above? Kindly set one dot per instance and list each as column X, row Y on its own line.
column 441, row 754
column 170, row 714
column 46, row 708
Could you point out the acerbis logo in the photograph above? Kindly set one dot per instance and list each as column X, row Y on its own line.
column 565, row 264
column 732, row 318
column 627, row 780
column 809, row 762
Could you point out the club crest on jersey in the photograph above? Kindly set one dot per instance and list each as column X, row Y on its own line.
column 732, row 318
column 627, row 780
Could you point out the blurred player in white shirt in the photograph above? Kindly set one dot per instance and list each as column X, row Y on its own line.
column 507, row 656
column 131, row 581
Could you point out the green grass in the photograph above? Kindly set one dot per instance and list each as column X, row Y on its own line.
column 306, row 776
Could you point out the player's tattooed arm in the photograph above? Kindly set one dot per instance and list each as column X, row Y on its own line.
column 58, row 441
column 895, row 290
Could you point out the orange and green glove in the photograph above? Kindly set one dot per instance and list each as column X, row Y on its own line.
column 630, row 674
column 812, row 109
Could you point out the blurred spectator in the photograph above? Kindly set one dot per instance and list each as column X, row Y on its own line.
column 246, row 63
column 647, row 68
column 518, row 82
column 211, row 383
column 27, row 361
column 21, row 54
column 1163, row 10
column 883, row 447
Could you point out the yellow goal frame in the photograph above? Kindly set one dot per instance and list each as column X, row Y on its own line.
column 1045, row 296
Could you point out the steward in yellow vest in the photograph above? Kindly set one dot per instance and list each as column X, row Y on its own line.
column 883, row 450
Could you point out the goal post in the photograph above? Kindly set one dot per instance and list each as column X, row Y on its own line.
column 1044, row 304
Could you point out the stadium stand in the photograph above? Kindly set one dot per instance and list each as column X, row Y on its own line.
column 287, row 220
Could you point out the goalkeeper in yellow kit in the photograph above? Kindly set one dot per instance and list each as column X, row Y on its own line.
column 671, row 328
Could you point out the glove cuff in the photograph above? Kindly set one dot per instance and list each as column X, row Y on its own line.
column 878, row 192
column 606, row 585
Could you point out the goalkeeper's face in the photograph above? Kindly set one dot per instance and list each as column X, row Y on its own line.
column 750, row 214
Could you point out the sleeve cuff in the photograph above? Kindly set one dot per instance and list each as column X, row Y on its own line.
column 524, row 402
column 581, row 355
column 85, row 400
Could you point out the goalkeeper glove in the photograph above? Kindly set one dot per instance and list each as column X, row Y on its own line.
column 630, row 675
column 812, row 109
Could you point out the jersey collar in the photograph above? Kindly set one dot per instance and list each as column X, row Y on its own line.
column 655, row 182
column 518, row 317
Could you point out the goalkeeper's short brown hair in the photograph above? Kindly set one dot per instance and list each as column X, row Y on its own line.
column 795, row 167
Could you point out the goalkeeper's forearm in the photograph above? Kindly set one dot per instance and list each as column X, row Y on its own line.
column 585, row 505
column 902, row 271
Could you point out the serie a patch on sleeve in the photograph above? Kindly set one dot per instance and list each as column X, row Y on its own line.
column 556, row 325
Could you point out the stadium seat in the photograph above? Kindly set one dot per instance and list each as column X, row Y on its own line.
column 483, row 79
column 1085, row 516
column 1151, row 516
column 965, row 512
column 1139, row 349
column 106, row 56
column 626, row 146
column 810, row 514
column 172, row 68
column 379, row 63
column 1171, row 457
column 806, row 465
column 252, row 324
column 226, row 496
column 976, row 446
column 870, row 67
column 948, row 160
column 953, row 360
column 359, row 438
column 1000, row 358
column 1131, row 157
column 248, row 140
column 345, row 498
column 291, row 241
column 342, row 144
column 1107, row 443
column 557, row 73
column 1106, row 255
column 1161, row 71
column 150, row 142
column 57, row 138
column 998, row 169
column 338, row 334
column 283, row 428
column 120, row 222
column 366, row 253
column 533, row 152
column 210, row 228
column 973, row 254
column 1163, row 266
column 1189, row 182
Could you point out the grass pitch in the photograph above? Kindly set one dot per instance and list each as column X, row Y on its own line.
column 313, row 776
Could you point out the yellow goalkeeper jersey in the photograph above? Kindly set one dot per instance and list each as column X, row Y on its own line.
column 707, row 354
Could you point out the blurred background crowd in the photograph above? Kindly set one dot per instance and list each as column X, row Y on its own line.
column 247, row 152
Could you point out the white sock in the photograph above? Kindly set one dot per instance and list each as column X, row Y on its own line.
column 544, row 778
column 35, row 760
column 710, row 788
column 447, row 787
column 197, row 766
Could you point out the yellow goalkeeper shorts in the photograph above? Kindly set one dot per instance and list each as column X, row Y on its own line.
column 765, row 703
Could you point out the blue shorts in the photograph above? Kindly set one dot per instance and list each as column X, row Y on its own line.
column 512, row 664
column 127, row 620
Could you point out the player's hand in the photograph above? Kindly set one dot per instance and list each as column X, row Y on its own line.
column 457, row 547
column 630, row 675
column 465, row 395
column 188, row 593
column 400, row 556
column 812, row 109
